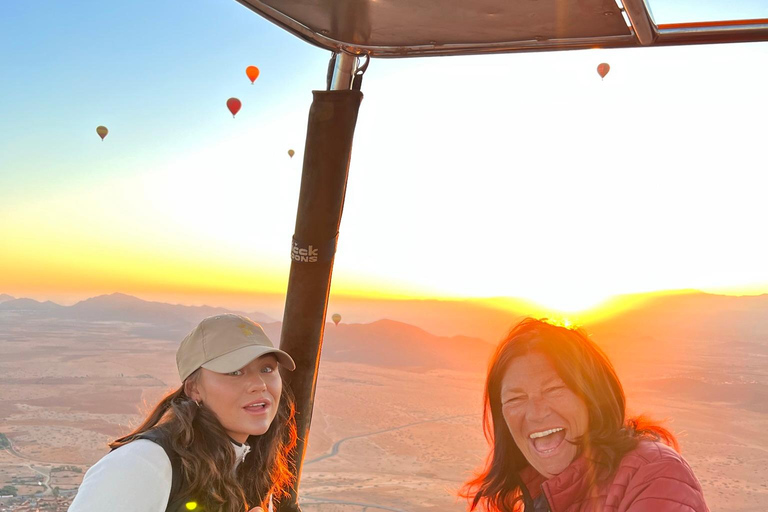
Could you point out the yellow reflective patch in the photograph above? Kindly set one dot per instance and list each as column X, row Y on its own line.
column 191, row 505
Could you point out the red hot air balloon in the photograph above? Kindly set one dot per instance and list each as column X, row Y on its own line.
column 252, row 72
column 102, row 131
column 233, row 104
column 603, row 69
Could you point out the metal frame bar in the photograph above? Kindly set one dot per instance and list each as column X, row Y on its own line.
column 642, row 23
column 344, row 65
column 729, row 31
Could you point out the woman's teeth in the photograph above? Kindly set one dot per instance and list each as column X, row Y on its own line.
column 536, row 435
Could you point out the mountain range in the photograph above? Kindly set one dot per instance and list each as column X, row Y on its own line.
column 437, row 334
column 383, row 343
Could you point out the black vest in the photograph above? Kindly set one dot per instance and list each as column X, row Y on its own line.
column 178, row 498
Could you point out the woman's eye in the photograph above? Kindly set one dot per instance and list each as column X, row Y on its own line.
column 514, row 400
column 554, row 388
column 268, row 369
column 236, row 373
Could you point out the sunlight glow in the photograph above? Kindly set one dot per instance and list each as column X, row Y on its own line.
column 530, row 194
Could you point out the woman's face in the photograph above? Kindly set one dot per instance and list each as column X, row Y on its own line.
column 244, row 401
column 542, row 413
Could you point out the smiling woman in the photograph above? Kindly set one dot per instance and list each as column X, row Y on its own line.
column 232, row 403
column 555, row 418
column 542, row 413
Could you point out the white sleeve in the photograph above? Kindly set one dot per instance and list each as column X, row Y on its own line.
column 134, row 478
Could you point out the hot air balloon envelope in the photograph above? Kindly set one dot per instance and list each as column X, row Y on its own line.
column 233, row 104
column 291, row 153
column 252, row 72
column 102, row 131
column 336, row 318
column 603, row 69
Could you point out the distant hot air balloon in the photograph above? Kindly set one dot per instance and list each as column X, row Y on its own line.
column 102, row 131
column 233, row 104
column 603, row 69
column 252, row 72
column 291, row 153
column 336, row 318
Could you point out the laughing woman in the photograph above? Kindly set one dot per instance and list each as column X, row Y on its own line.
column 555, row 417
column 220, row 442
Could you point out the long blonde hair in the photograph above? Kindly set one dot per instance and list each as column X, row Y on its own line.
column 207, row 457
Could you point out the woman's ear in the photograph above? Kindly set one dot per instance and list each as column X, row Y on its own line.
column 191, row 390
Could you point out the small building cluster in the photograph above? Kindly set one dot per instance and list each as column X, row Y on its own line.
column 36, row 504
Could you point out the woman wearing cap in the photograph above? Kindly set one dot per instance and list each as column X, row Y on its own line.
column 560, row 442
column 220, row 442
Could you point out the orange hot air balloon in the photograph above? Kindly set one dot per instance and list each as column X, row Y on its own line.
column 603, row 69
column 336, row 318
column 102, row 131
column 291, row 153
column 233, row 104
column 252, row 72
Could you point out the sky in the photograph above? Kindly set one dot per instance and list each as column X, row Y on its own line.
column 520, row 175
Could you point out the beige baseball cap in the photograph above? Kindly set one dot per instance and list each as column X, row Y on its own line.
column 225, row 343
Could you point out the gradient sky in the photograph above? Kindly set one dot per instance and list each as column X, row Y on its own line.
column 507, row 175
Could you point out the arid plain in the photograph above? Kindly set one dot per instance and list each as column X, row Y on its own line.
column 396, row 433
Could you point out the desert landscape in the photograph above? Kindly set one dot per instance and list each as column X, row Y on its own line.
column 397, row 419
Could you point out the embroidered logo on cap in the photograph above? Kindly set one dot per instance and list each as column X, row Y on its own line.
column 246, row 330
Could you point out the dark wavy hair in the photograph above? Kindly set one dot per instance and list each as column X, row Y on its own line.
column 207, row 456
column 586, row 370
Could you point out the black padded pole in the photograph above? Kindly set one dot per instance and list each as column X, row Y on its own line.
column 332, row 120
